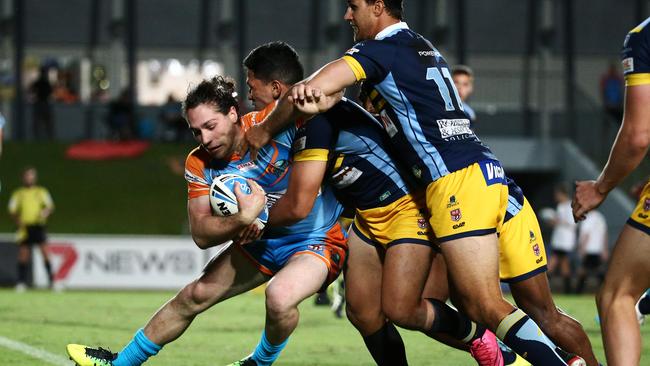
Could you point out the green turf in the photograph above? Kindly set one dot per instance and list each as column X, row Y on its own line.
column 221, row 335
column 129, row 196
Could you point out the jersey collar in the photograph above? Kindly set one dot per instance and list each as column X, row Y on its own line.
column 391, row 29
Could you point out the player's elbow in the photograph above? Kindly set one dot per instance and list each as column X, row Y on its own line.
column 200, row 242
column 640, row 141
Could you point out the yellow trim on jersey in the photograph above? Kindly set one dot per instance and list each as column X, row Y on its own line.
column 381, row 104
column 311, row 155
column 356, row 67
column 338, row 162
column 373, row 94
column 637, row 79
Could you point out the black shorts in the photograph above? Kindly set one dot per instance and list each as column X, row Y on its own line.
column 591, row 261
column 35, row 235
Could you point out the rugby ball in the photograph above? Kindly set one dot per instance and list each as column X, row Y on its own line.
column 223, row 200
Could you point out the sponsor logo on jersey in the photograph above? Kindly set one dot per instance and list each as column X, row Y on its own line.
column 455, row 214
column 384, row 196
column 458, row 226
column 300, row 144
column 628, row 65
column 646, row 204
column 246, row 166
column 492, row 172
column 539, row 260
column 273, row 197
column 642, row 216
column 389, row 126
column 345, row 177
column 352, row 51
column 536, row 250
column 277, row 168
column 452, row 202
column 531, row 234
column 453, row 127
column 417, row 172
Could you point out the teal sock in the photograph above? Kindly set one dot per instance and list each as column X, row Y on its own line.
column 137, row 351
column 523, row 336
column 266, row 353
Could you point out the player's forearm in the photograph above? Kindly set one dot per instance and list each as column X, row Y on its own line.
column 627, row 153
column 210, row 231
column 282, row 116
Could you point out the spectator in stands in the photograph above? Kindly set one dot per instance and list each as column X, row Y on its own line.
column 172, row 119
column 42, row 115
column 463, row 77
column 563, row 239
column 611, row 92
column 593, row 248
column 30, row 206
column 120, row 119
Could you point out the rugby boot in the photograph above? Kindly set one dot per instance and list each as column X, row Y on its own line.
column 570, row 358
column 88, row 356
column 248, row 361
column 486, row 351
column 639, row 316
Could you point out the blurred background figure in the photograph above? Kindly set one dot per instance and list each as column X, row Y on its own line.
column 611, row 92
column 593, row 248
column 2, row 125
column 463, row 77
column 563, row 239
column 120, row 117
column 172, row 120
column 42, row 117
column 30, row 206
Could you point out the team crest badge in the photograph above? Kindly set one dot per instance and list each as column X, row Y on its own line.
column 646, row 205
column 422, row 223
column 536, row 250
column 455, row 214
column 532, row 235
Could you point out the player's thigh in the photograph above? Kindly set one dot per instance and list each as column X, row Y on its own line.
column 437, row 286
column 406, row 268
column 302, row 276
column 363, row 275
column 472, row 264
column 226, row 275
column 629, row 267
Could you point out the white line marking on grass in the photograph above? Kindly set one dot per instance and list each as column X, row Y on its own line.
column 48, row 357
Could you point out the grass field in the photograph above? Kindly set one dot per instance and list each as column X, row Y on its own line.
column 48, row 321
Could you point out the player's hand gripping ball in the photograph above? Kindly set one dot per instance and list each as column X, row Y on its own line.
column 224, row 201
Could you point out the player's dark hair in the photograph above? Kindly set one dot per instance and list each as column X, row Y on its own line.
column 218, row 92
column 463, row 70
column 394, row 8
column 275, row 61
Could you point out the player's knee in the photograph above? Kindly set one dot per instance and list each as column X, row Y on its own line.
column 366, row 320
column 195, row 298
column 401, row 313
column 278, row 300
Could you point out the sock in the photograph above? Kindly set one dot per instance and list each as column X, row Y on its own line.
column 386, row 346
column 523, row 336
column 22, row 273
column 450, row 321
column 137, row 351
column 644, row 304
column 266, row 353
column 48, row 269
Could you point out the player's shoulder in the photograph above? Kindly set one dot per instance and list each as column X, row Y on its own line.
column 256, row 117
column 636, row 49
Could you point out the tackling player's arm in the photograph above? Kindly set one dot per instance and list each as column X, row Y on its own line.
column 304, row 184
column 315, row 94
column 208, row 230
column 629, row 149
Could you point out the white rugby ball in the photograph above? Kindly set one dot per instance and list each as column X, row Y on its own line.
column 223, row 200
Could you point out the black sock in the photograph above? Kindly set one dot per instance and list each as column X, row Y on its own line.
column 450, row 321
column 386, row 346
column 48, row 268
column 22, row 273
column 644, row 305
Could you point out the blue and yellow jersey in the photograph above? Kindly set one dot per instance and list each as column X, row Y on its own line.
column 360, row 168
column 635, row 55
column 411, row 88
column 271, row 172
